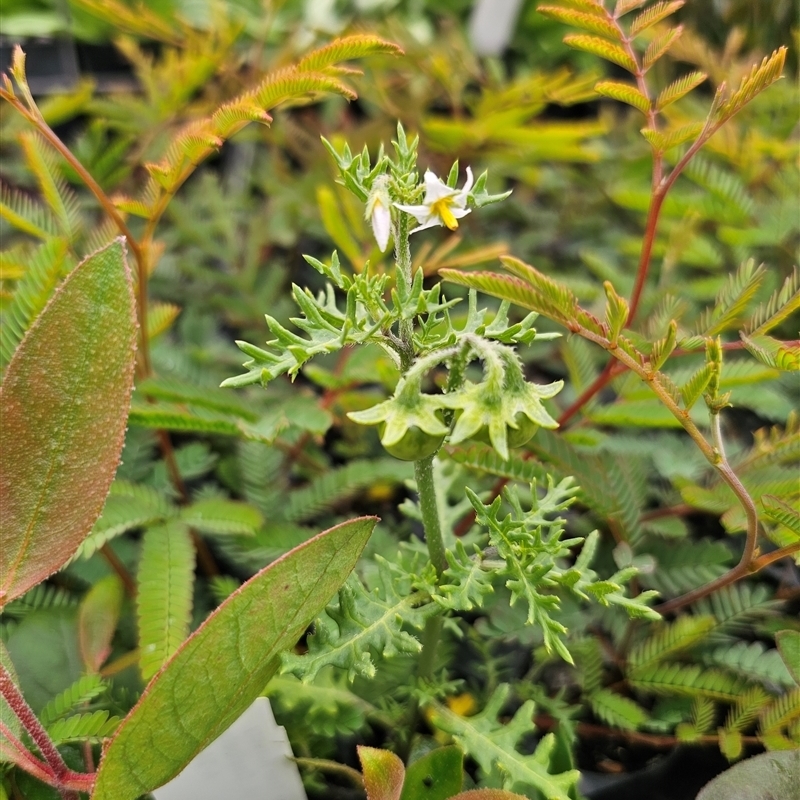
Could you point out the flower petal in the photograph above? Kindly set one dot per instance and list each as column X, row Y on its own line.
column 461, row 198
column 436, row 188
column 420, row 213
column 433, row 222
column 381, row 225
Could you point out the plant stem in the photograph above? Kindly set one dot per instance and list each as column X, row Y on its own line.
column 53, row 771
column 423, row 473
column 24, row 713
column 403, row 281
column 587, row 730
column 14, row 751
column 430, row 640
column 122, row 572
column 334, row 767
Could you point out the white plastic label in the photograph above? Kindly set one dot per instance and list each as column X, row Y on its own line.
column 252, row 760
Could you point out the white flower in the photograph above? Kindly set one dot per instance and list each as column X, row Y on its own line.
column 442, row 205
column 378, row 213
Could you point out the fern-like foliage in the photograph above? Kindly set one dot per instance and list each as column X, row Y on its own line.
column 680, row 569
column 164, row 597
column 779, row 714
column 670, row 640
column 84, row 690
column 484, row 459
column 773, row 352
column 688, row 681
column 746, row 709
column 752, row 661
column 603, row 48
column 92, row 726
column 26, row 214
column 616, row 710
column 679, row 88
column 653, row 14
column 362, row 625
column 317, row 73
column 221, row 516
column 128, row 506
column 703, row 715
column 493, row 744
column 137, row 19
column 782, row 303
column 737, row 607
column 582, row 19
column 160, row 317
column 337, row 485
column 761, row 76
column 42, row 596
column 48, row 264
column 786, row 517
column 59, row 198
column 607, row 483
column 187, row 394
column 625, row 93
column 739, row 289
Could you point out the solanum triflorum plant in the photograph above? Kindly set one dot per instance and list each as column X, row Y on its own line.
column 523, row 548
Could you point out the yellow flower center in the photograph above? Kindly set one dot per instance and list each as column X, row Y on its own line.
column 442, row 210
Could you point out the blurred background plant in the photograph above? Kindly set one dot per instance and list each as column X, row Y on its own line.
column 249, row 475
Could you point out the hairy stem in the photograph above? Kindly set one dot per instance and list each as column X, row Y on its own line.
column 12, row 749
column 53, row 770
column 24, row 713
column 404, row 279
column 423, row 474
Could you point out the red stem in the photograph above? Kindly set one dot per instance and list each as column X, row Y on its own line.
column 23, row 758
column 24, row 713
column 602, row 380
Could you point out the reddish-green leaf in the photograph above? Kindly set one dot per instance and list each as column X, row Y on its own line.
column 97, row 621
column 384, row 773
column 64, row 404
column 224, row 665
